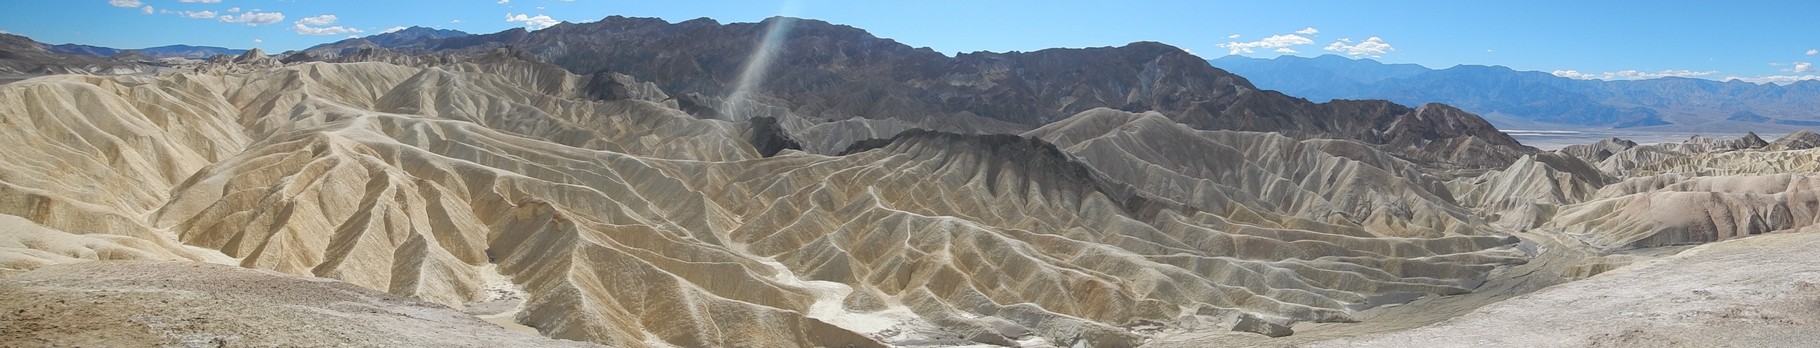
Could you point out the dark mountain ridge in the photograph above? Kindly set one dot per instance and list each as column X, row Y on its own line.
column 395, row 39
column 826, row 72
column 22, row 56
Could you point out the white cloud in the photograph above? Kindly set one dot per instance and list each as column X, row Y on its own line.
column 505, row 2
column 201, row 1
column 540, row 7
column 532, row 22
column 1813, row 51
column 254, row 18
column 123, row 3
column 1309, row 31
column 1776, row 79
column 1233, row 36
column 233, row 9
column 1372, row 47
column 319, row 25
column 1801, row 67
column 204, row 14
column 456, row 21
column 318, row 20
column 146, row 10
column 392, row 29
column 1274, row 41
column 1631, row 74
column 256, row 42
column 1572, row 74
column 3, row 31
column 1286, row 50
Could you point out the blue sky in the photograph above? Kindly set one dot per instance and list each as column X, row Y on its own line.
column 1758, row 41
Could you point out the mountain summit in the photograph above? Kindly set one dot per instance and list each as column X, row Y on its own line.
column 824, row 72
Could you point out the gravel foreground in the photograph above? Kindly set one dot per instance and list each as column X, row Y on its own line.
column 159, row 303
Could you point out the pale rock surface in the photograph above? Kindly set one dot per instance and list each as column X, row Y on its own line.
column 165, row 303
column 1754, row 292
column 600, row 208
column 629, row 222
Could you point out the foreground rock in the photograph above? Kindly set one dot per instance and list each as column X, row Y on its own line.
column 1753, row 292
column 1260, row 325
column 170, row 303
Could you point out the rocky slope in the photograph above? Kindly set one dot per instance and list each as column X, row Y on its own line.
column 1604, row 242
column 629, row 222
column 152, row 303
column 1755, row 292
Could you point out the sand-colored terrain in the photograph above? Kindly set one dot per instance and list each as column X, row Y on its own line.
column 190, row 304
column 596, row 208
column 1755, row 292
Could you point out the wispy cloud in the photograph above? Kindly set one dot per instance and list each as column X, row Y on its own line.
column 1801, row 67
column 204, row 14
column 146, row 10
column 1631, row 74
column 537, row 22
column 201, row 1
column 123, row 3
column 1372, row 47
column 1309, row 31
column 392, row 29
column 320, row 25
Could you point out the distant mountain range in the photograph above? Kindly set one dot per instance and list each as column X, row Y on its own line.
column 160, row 52
column 1512, row 98
column 22, row 56
column 395, row 39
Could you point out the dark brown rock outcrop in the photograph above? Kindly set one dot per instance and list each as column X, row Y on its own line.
column 826, row 72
